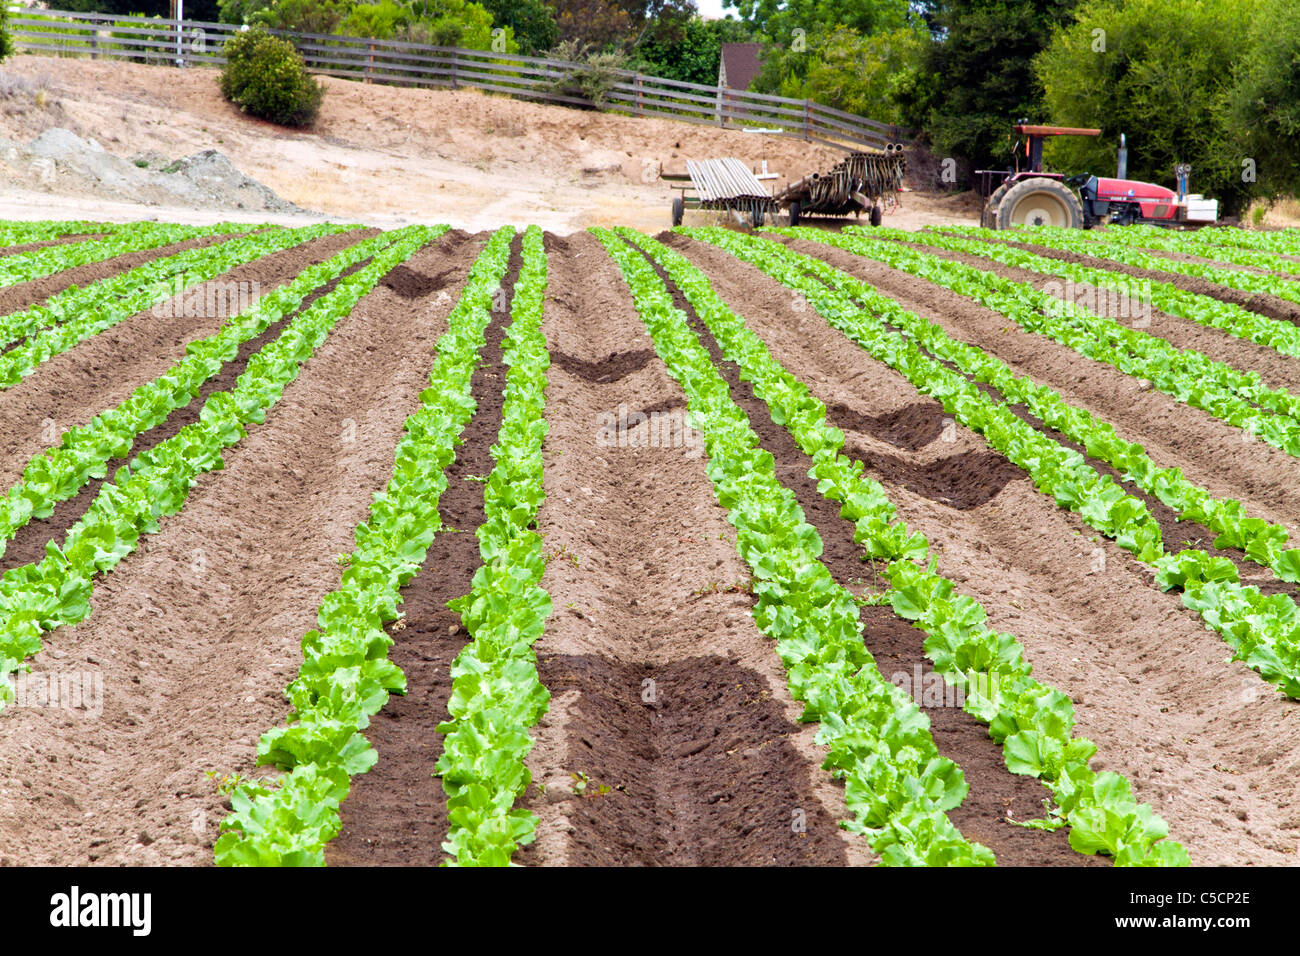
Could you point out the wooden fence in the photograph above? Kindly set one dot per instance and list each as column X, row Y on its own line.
column 198, row 43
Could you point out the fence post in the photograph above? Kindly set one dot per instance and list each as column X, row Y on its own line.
column 453, row 71
column 370, row 62
column 807, row 120
column 637, row 111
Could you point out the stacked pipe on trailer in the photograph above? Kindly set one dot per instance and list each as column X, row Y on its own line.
column 729, row 184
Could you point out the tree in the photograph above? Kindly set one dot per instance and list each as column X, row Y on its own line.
column 694, row 56
column 976, row 77
column 665, row 19
column 206, row 10
column 860, row 74
column 621, row 24
column 532, row 21
column 6, row 41
column 837, row 51
column 299, row 16
column 598, row 23
column 780, row 19
column 1160, row 72
column 1264, row 103
column 455, row 23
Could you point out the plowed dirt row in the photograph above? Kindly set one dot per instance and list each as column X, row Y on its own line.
column 46, row 243
column 1188, row 257
column 26, row 294
column 396, row 815
column 195, row 636
column 28, row 544
column 1208, row 744
column 994, row 793
column 671, row 736
column 1221, row 458
column 1278, row 371
column 72, row 388
column 1270, row 305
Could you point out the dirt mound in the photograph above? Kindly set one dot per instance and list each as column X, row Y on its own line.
column 59, row 159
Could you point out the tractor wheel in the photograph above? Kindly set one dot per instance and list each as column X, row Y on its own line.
column 679, row 209
column 988, row 215
column 1039, row 202
column 794, row 213
column 875, row 215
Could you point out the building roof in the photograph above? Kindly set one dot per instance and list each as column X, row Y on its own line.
column 740, row 64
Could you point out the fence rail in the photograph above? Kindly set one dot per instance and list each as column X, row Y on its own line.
column 199, row 43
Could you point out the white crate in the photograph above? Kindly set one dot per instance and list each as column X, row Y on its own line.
column 1202, row 210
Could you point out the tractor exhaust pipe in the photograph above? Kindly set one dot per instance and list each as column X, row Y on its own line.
column 1121, row 171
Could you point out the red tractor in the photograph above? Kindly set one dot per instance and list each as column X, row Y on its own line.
column 1032, row 197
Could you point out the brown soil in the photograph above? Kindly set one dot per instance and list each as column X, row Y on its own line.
column 197, row 633
column 963, row 481
column 15, row 298
column 1215, row 743
column 708, row 763
column 911, row 427
column 617, row 365
column 1276, row 370
column 410, row 284
column 396, row 815
column 995, row 794
column 702, row 775
column 46, row 243
column 1268, row 305
column 28, row 545
column 70, row 389
column 1211, row 453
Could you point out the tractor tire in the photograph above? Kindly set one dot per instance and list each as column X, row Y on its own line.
column 1039, row 202
column 988, row 215
column 679, row 210
column 875, row 215
column 794, row 213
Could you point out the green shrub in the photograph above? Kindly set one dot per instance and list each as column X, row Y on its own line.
column 6, row 41
column 265, row 76
column 592, row 76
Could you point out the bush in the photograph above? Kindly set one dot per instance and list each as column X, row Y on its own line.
column 265, row 76
column 592, row 76
column 6, row 41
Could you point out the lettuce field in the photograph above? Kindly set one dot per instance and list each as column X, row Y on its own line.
column 333, row 546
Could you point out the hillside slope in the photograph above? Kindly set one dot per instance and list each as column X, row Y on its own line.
column 379, row 154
